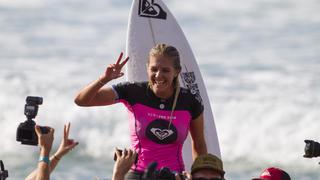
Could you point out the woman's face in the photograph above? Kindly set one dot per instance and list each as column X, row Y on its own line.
column 161, row 73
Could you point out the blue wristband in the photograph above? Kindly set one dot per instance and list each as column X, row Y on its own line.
column 44, row 159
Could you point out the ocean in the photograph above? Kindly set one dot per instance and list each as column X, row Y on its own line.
column 260, row 60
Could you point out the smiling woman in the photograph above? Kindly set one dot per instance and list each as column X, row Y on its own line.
column 161, row 113
column 163, row 70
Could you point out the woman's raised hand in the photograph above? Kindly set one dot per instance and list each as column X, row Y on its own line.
column 113, row 71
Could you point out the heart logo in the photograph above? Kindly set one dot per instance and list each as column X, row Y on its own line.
column 147, row 8
column 161, row 133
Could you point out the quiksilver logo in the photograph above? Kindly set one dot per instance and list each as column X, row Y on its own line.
column 148, row 8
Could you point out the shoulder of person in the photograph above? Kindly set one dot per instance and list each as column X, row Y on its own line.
column 190, row 95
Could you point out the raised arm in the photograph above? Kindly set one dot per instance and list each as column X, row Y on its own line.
column 199, row 145
column 45, row 143
column 93, row 94
column 65, row 147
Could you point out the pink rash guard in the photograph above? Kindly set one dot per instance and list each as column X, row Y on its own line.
column 151, row 136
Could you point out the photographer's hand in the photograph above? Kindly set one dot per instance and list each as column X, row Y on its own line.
column 45, row 142
column 123, row 163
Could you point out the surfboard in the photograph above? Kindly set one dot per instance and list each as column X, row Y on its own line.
column 150, row 23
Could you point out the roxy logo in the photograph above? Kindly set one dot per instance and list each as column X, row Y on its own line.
column 189, row 80
column 147, row 8
column 161, row 133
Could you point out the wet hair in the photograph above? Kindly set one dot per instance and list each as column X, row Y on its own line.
column 166, row 51
column 170, row 52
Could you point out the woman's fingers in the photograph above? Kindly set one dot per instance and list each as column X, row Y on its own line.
column 120, row 74
column 119, row 58
column 113, row 71
column 118, row 63
column 113, row 68
column 124, row 62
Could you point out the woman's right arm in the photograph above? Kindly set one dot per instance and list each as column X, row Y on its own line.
column 94, row 95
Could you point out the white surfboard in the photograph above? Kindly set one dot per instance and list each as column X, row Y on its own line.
column 150, row 23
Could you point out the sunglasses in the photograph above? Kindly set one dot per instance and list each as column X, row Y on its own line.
column 207, row 178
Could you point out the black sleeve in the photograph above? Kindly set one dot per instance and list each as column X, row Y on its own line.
column 197, row 106
column 122, row 90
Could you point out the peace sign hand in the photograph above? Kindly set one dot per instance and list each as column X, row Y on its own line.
column 113, row 71
column 66, row 143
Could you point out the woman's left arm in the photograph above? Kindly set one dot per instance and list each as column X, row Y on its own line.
column 197, row 133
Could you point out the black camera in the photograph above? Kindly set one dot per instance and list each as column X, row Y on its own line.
column 26, row 131
column 312, row 149
column 163, row 174
column 3, row 173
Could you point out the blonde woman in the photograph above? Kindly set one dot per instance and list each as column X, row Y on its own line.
column 161, row 113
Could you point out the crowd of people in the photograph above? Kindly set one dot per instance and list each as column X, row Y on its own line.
column 161, row 115
column 204, row 167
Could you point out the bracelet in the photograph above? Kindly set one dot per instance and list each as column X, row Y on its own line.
column 101, row 82
column 44, row 159
column 55, row 157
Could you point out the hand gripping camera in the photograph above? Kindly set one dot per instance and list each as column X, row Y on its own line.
column 26, row 131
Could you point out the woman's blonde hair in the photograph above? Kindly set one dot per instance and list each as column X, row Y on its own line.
column 171, row 52
column 166, row 51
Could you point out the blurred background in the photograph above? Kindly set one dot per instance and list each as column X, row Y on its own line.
column 260, row 60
